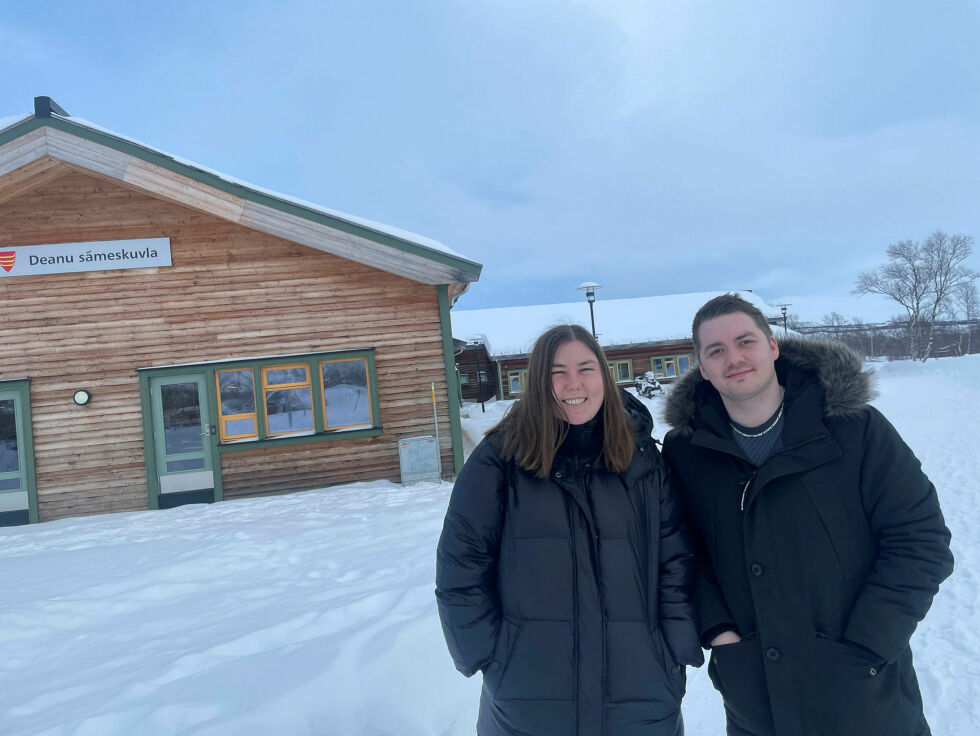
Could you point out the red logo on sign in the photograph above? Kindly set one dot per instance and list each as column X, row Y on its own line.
column 7, row 258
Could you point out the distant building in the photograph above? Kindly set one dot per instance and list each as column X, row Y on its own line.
column 638, row 335
column 172, row 335
column 478, row 379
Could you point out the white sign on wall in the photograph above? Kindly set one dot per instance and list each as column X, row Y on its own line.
column 98, row 255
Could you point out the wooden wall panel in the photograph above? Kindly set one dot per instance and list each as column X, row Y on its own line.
column 231, row 293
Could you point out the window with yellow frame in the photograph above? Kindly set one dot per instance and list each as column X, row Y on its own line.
column 237, row 419
column 621, row 370
column 296, row 396
column 670, row 366
column 288, row 395
column 346, row 393
column 516, row 381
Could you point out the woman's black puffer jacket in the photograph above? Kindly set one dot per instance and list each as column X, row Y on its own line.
column 570, row 593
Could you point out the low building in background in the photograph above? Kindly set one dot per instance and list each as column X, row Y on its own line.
column 638, row 335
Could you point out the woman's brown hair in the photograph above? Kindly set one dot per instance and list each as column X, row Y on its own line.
column 533, row 429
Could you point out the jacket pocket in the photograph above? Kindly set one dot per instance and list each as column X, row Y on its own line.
column 854, row 688
column 736, row 671
column 539, row 662
column 637, row 665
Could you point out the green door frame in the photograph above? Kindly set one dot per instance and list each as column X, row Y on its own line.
column 20, row 392
column 152, row 426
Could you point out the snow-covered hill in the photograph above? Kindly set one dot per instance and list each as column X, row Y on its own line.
column 312, row 613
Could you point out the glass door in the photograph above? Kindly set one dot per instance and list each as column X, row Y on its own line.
column 15, row 462
column 182, row 442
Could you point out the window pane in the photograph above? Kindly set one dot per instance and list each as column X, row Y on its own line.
column 657, row 365
column 670, row 367
column 237, row 392
column 174, row 466
column 181, row 418
column 345, row 393
column 9, row 484
column 515, row 384
column 624, row 371
column 8, row 438
column 683, row 363
column 238, row 427
column 464, row 379
column 277, row 376
column 289, row 410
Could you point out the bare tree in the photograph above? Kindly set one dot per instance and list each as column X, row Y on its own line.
column 834, row 321
column 921, row 277
column 967, row 305
column 903, row 279
column 944, row 257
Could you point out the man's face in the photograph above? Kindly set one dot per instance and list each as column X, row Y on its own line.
column 737, row 357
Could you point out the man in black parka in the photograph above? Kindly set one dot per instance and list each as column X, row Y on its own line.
column 824, row 542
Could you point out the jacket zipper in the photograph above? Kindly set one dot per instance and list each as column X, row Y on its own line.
column 579, row 476
column 575, row 615
column 745, row 491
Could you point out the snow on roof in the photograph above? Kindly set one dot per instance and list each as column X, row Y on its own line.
column 12, row 120
column 513, row 330
column 410, row 237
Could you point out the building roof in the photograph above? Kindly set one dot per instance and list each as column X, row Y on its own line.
column 511, row 331
column 37, row 148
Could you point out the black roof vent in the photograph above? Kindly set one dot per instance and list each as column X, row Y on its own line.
column 44, row 107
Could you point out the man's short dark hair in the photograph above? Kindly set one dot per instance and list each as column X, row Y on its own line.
column 727, row 304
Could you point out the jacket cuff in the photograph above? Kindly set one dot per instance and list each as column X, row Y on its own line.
column 709, row 634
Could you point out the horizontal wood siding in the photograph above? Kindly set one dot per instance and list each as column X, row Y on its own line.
column 231, row 293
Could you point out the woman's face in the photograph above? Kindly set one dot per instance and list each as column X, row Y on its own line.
column 576, row 380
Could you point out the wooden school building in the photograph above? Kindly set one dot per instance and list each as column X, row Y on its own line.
column 171, row 336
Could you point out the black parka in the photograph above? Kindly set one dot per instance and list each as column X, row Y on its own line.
column 824, row 558
column 570, row 593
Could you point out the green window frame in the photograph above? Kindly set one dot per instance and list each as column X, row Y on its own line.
column 252, row 414
column 516, row 380
column 621, row 370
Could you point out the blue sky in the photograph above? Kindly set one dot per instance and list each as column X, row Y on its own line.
column 654, row 147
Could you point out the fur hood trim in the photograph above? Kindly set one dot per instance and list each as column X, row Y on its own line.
column 847, row 388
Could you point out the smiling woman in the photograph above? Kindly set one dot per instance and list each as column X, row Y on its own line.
column 564, row 569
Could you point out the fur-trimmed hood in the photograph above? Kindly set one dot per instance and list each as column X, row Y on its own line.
column 847, row 388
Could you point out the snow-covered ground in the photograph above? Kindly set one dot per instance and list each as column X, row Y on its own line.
column 313, row 613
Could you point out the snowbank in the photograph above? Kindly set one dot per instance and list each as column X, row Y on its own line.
column 312, row 613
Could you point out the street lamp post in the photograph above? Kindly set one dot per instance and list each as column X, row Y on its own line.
column 479, row 383
column 782, row 308
column 589, row 288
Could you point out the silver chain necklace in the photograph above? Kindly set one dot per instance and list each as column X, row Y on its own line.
column 767, row 430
